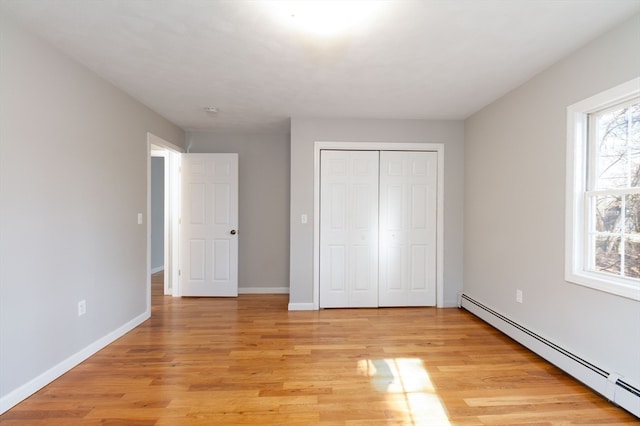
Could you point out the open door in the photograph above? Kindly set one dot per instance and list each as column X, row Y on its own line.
column 209, row 225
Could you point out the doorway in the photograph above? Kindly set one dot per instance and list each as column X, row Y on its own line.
column 157, row 210
column 170, row 153
column 211, row 260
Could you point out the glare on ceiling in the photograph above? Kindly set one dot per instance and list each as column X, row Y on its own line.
column 325, row 17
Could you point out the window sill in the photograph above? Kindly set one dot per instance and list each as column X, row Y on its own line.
column 614, row 285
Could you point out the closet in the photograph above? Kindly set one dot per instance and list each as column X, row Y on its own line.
column 377, row 228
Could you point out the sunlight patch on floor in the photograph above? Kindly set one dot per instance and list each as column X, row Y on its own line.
column 408, row 387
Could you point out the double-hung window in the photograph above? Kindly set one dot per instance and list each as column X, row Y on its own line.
column 603, row 191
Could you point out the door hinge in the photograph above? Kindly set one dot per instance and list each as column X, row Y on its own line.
column 179, row 273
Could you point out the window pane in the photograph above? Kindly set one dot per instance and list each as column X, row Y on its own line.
column 608, row 209
column 632, row 216
column 618, row 148
column 607, row 254
column 632, row 258
column 612, row 148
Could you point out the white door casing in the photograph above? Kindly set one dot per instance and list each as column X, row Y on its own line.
column 349, row 231
column 408, row 216
column 209, row 223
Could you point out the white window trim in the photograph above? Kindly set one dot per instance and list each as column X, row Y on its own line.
column 576, row 213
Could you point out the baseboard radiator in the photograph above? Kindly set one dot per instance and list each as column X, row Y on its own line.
column 610, row 384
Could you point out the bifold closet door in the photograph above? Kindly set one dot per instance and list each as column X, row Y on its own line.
column 408, row 197
column 349, row 229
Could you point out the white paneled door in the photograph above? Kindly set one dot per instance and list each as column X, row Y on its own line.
column 209, row 254
column 408, row 228
column 349, row 229
column 378, row 228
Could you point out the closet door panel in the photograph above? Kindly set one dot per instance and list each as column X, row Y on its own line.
column 349, row 229
column 408, row 183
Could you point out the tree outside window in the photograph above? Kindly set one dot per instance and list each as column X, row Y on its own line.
column 613, row 191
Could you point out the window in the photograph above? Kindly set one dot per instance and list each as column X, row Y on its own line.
column 603, row 191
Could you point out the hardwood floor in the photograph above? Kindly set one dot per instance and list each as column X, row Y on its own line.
column 201, row 361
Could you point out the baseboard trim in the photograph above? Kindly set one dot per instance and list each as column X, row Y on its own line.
column 301, row 307
column 450, row 303
column 157, row 269
column 263, row 290
column 611, row 385
column 31, row 387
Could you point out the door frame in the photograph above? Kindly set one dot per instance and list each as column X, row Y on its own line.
column 157, row 146
column 379, row 146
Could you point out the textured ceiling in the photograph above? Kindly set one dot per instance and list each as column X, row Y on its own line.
column 421, row 59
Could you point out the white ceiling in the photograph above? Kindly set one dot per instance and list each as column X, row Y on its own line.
column 418, row 59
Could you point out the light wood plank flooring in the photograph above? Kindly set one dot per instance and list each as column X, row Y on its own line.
column 250, row 361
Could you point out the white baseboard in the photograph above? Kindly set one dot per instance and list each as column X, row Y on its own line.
column 31, row 387
column 301, row 307
column 263, row 290
column 157, row 269
column 611, row 385
column 450, row 303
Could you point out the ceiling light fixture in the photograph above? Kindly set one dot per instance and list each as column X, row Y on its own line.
column 323, row 17
column 210, row 109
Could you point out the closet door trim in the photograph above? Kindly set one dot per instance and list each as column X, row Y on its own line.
column 379, row 146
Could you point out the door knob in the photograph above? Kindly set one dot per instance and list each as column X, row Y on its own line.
column 233, row 232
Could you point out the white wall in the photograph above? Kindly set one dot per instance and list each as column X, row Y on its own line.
column 305, row 132
column 157, row 213
column 514, row 208
column 263, row 229
column 73, row 177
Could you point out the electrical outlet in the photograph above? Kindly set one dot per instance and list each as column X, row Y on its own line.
column 519, row 296
column 82, row 307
